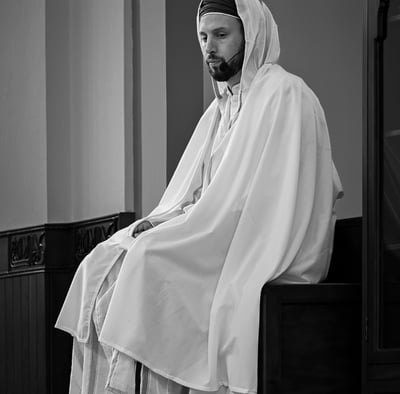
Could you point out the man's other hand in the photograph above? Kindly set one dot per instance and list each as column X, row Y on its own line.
column 142, row 226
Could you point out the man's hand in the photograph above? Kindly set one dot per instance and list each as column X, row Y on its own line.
column 142, row 226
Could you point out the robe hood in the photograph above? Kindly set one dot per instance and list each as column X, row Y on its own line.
column 261, row 40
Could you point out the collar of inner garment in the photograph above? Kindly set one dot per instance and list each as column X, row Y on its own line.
column 229, row 94
column 234, row 90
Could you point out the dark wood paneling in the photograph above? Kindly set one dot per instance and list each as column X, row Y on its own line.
column 58, row 343
column 23, row 366
column 381, row 352
column 310, row 335
column 3, row 341
column 54, row 247
column 383, row 387
column 3, row 254
column 36, row 268
column 298, row 323
column 386, row 372
column 25, row 323
column 310, row 339
column 347, row 252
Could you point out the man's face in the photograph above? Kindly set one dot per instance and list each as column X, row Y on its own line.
column 222, row 45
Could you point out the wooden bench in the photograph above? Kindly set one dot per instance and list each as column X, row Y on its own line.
column 310, row 335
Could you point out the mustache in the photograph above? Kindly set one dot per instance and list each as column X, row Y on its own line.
column 212, row 58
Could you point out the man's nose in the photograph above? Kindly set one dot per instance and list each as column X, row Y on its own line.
column 210, row 46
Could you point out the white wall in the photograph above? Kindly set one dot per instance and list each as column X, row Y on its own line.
column 66, row 140
column 322, row 41
column 153, row 103
column 59, row 198
column 97, row 108
column 23, row 186
column 66, row 148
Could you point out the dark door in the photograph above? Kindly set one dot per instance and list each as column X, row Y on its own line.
column 381, row 277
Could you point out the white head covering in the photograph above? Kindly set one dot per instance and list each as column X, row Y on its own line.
column 261, row 36
column 261, row 39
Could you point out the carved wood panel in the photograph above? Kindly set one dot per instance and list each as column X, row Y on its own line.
column 36, row 268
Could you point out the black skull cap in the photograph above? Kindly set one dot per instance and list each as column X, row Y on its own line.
column 218, row 6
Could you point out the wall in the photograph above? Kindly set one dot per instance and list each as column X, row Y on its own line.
column 66, row 141
column 150, row 94
column 322, row 41
column 97, row 106
column 58, row 111
column 23, row 186
column 184, row 87
column 169, row 92
column 66, row 150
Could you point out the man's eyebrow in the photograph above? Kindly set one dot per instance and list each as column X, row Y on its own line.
column 216, row 30
column 222, row 28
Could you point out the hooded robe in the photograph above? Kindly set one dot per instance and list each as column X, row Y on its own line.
column 186, row 301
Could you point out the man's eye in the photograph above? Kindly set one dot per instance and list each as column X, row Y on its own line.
column 221, row 35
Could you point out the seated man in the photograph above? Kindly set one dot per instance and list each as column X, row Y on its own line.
column 251, row 201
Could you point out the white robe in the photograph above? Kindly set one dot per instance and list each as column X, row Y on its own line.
column 186, row 301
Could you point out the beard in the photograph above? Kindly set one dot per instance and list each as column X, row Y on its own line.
column 225, row 70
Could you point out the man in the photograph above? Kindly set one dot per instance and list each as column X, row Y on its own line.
column 251, row 201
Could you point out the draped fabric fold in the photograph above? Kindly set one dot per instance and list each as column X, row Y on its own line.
column 191, row 286
column 186, row 301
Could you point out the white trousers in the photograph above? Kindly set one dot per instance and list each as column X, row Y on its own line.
column 98, row 369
